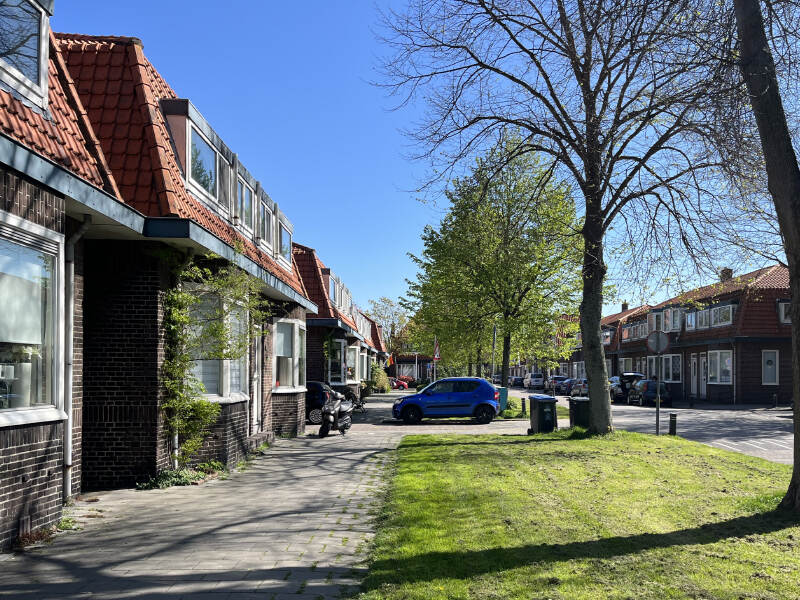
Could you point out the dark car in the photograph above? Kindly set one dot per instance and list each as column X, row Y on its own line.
column 621, row 385
column 644, row 393
column 567, row 385
column 451, row 397
column 551, row 384
column 317, row 393
column 563, row 387
column 516, row 381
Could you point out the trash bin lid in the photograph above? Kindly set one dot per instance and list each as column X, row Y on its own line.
column 542, row 398
column 578, row 399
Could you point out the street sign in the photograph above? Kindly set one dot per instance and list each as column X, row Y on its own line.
column 658, row 342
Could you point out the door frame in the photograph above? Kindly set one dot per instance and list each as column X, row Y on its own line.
column 703, row 375
column 693, row 374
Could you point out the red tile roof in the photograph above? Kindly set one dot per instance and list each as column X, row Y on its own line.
column 774, row 277
column 66, row 138
column 377, row 336
column 121, row 91
column 310, row 268
column 625, row 314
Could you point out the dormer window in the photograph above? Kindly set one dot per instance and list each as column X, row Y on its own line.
column 265, row 224
column 24, row 49
column 285, row 244
column 203, row 167
column 244, row 205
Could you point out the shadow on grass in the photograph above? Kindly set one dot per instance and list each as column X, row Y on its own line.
column 571, row 434
column 470, row 564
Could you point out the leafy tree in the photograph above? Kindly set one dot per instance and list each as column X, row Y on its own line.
column 505, row 253
column 392, row 318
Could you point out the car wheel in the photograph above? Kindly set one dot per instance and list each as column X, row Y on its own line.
column 412, row 415
column 315, row 416
column 484, row 414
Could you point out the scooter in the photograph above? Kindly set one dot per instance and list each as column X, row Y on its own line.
column 336, row 415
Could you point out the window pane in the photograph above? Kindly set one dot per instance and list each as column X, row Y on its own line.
column 336, row 362
column 676, row 367
column 301, row 357
column 769, row 367
column 725, row 314
column 20, row 32
column 284, row 372
column 224, row 183
column 204, row 164
column 284, row 342
column 725, row 367
column 713, row 367
column 207, row 373
column 248, row 207
column 352, row 362
column 286, row 244
column 238, row 366
column 27, row 320
column 262, row 221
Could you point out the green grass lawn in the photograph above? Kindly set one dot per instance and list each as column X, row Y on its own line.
column 564, row 516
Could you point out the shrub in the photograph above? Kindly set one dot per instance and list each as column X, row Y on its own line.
column 212, row 466
column 379, row 379
column 169, row 478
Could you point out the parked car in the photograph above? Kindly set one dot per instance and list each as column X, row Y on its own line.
column 450, row 397
column 580, row 387
column 398, row 384
column 517, row 382
column 551, row 385
column 497, row 378
column 620, row 385
column 644, row 393
column 533, row 381
column 565, row 386
column 317, row 393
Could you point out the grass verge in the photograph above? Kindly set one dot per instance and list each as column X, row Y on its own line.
column 514, row 410
column 563, row 515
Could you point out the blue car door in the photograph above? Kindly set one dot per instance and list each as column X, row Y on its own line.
column 465, row 397
column 437, row 398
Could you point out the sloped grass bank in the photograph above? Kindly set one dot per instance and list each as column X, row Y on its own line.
column 566, row 516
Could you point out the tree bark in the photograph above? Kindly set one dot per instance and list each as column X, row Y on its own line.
column 506, row 359
column 594, row 271
column 783, row 181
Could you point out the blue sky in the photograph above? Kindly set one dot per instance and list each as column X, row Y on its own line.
column 286, row 85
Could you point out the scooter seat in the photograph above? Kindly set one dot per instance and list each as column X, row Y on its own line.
column 347, row 406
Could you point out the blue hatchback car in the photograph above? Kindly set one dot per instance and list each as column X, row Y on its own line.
column 451, row 397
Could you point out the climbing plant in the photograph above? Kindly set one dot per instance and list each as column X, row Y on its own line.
column 211, row 312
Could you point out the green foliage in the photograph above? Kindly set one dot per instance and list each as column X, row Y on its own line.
column 392, row 318
column 170, row 477
column 211, row 312
column 211, row 466
column 379, row 380
column 67, row 524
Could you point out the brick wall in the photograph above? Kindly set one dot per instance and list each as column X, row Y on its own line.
column 289, row 414
column 123, row 439
column 77, row 364
column 30, row 478
column 30, row 201
column 748, row 363
column 227, row 441
column 315, row 356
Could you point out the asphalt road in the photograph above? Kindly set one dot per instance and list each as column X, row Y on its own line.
column 763, row 432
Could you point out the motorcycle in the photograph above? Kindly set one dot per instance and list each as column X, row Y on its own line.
column 336, row 414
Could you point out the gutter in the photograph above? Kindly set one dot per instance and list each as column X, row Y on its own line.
column 171, row 228
column 69, row 323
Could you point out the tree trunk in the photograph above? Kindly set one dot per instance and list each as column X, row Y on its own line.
column 506, row 359
column 479, row 362
column 594, row 271
column 783, row 180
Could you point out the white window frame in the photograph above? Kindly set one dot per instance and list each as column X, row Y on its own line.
column 195, row 187
column 264, row 221
column 34, row 91
column 282, row 260
column 666, row 359
column 363, row 365
column 784, row 316
column 240, row 204
column 54, row 412
column 342, row 372
column 715, row 312
column 777, row 367
column 691, row 320
column 355, row 378
column 703, row 319
column 715, row 360
column 297, row 325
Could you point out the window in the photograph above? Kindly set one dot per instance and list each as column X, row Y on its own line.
column 720, row 366
column 651, row 366
column 363, row 372
column 244, row 204
column 203, row 164
column 335, row 363
column 442, row 387
column 580, row 370
column 286, row 244
column 625, row 365
column 671, row 368
column 690, row 320
column 301, row 356
column 783, row 312
column 655, row 321
column 607, row 334
column 219, row 377
column 352, row 363
column 290, row 355
column 702, row 319
column 333, row 291
column 721, row 315
column 237, row 367
column 24, row 49
column 626, row 332
column 28, row 295
column 265, row 224
column 465, row 387
column 769, row 367
column 676, row 319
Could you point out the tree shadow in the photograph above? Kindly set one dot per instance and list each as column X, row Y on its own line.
column 431, row 566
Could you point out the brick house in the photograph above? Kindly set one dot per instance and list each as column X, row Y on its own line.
column 418, row 366
column 730, row 341
column 353, row 340
column 103, row 171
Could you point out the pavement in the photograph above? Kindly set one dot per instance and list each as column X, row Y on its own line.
column 295, row 524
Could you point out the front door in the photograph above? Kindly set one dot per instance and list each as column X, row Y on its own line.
column 703, row 375
column 693, row 374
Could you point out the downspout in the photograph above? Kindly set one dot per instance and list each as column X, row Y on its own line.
column 69, row 284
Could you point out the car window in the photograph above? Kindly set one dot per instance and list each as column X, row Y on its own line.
column 442, row 387
column 464, row 387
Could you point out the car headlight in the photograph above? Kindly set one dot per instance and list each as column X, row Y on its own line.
column 398, row 401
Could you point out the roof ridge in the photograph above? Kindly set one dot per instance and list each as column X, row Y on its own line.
column 108, row 39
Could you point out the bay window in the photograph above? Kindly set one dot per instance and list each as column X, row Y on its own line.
column 226, row 378
column 290, row 354
column 769, row 367
column 720, row 366
column 28, row 321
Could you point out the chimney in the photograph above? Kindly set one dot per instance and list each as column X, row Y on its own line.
column 624, row 306
column 725, row 274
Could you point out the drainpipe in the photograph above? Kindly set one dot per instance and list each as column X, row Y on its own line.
column 69, row 285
